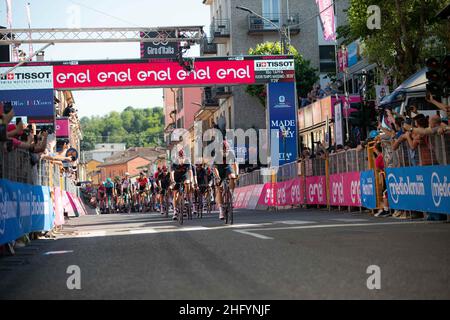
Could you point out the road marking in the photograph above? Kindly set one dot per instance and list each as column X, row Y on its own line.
column 256, row 235
column 295, row 222
column 50, row 253
column 251, row 232
column 349, row 220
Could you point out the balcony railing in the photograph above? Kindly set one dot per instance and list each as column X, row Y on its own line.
column 207, row 47
column 220, row 28
column 257, row 25
column 208, row 101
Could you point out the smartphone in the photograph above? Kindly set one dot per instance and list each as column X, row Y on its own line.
column 7, row 107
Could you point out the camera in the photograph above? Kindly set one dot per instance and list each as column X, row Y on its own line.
column 7, row 107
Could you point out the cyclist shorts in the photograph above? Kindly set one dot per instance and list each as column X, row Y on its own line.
column 225, row 171
column 109, row 192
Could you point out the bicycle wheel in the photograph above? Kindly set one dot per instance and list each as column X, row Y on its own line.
column 180, row 211
column 200, row 206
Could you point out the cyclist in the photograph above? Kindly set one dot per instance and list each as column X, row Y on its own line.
column 126, row 189
column 118, row 195
column 142, row 184
column 225, row 166
column 201, row 182
column 181, row 174
column 110, row 192
column 163, row 181
column 101, row 196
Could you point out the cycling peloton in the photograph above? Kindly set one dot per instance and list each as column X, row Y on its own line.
column 181, row 174
column 225, row 166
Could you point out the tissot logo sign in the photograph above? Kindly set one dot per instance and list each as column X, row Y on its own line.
column 270, row 65
column 27, row 78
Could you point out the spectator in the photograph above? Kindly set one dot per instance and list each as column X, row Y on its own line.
column 379, row 166
column 440, row 105
column 421, row 141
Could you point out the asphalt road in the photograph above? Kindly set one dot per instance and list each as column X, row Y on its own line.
column 295, row 254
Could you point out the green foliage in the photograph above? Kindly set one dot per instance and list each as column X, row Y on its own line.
column 409, row 33
column 305, row 75
column 135, row 127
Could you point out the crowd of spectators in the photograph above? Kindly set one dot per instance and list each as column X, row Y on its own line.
column 317, row 93
column 41, row 144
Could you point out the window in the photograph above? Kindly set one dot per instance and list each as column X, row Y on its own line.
column 327, row 59
column 271, row 10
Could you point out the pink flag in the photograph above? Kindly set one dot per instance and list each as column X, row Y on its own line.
column 327, row 19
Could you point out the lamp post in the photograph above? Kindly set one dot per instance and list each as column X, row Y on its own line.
column 281, row 29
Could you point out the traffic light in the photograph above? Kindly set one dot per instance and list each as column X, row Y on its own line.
column 438, row 76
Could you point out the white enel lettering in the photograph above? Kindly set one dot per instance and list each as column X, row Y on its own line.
column 74, row 77
column 161, row 75
column 240, row 73
column 181, row 75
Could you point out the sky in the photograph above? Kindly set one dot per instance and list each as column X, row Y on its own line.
column 106, row 13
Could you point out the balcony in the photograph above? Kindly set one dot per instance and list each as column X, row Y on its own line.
column 207, row 47
column 220, row 30
column 256, row 25
column 221, row 92
column 208, row 101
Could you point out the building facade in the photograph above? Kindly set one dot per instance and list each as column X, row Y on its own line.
column 233, row 32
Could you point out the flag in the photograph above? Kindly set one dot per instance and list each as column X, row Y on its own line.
column 9, row 13
column 326, row 15
column 28, row 14
column 30, row 46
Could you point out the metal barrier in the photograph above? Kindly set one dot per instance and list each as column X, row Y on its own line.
column 287, row 172
column 15, row 165
column 251, row 178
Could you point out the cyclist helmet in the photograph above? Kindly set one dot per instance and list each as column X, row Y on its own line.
column 226, row 145
column 164, row 169
column 127, row 174
column 181, row 153
column 373, row 134
column 141, row 173
column 108, row 180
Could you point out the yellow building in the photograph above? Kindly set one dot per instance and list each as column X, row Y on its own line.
column 92, row 171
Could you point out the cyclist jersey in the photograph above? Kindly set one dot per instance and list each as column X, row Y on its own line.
column 164, row 178
column 223, row 164
column 109, row 187
column 142, row 183
column 201, row 176
column 181, row 171
column 102, row 189
column 126, row 184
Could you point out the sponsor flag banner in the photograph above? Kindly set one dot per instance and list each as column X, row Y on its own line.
column 282, row 105
column 326, row 15
column 62, row 128
column 368, row 189
column 345, row 189
column 419, row 188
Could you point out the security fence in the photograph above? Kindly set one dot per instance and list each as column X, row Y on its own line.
column 15, row 165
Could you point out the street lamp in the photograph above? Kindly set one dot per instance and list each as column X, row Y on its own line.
column 281, row 29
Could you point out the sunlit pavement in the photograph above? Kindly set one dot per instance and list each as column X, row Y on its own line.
column 294, row 254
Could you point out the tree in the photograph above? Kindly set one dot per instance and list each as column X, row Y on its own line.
column 306, row 76
column 409, row 33
column 135, row 127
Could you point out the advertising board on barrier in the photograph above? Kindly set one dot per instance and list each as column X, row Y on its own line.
column 23, row 209
column 368, row 189
column 287, row 193
column 345, row 189
column 316, row 190
column 424, row 188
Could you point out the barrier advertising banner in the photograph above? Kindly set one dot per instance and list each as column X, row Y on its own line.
column 287, row 193
column 368, row 189
column 316, row 190
column 282, row 104
column 345, row 189
column 419, row 188
column 23, row 209
column 58, row 204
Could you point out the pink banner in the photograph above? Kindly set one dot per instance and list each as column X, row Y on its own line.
column 344, row 189
column 316, row 190
column 58, row 206
column 287, row 193
column 327, row 18
column 247, row 197
column 62, row 127
column 67, row 204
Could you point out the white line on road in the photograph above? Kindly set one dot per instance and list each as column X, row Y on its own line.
column 295, row 222
column 349, row 220
column 251, row 232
